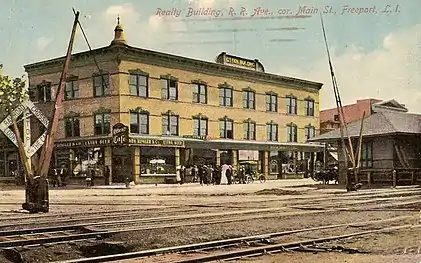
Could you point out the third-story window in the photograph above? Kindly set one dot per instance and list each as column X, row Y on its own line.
column 225, row 96
column 72, row 127
column 44, row 92
column 169, row 89
column 101, row 85
column 291, row 105
column 102, row 123
column 271, row 102
column 249, row 130
column 138, row 84
column 292, row 132
column 200, row 94
column 200, row 126
column 309, row 107
column 226, row 128
column 139, row 122
column 72, row 89
column 272, row 132
column 310, row 132
column 249, row 99
column 170, row 125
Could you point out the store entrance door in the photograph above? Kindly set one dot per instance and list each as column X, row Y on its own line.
column 122, row 164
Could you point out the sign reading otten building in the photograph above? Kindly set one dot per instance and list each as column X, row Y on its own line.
column 238, row 62
column 120, row 134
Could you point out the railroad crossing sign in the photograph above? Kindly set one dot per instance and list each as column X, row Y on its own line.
column 7, row 122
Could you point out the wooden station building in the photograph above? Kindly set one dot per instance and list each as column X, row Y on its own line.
column 142, row 113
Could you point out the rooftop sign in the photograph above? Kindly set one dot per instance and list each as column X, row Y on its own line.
column 238, row 62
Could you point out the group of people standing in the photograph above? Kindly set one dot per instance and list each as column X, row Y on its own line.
column 209, row 174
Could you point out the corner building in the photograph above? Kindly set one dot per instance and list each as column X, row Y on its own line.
column 178, row 110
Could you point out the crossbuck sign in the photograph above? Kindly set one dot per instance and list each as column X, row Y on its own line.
column 7, row 122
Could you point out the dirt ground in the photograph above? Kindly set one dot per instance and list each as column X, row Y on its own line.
column 397, row 246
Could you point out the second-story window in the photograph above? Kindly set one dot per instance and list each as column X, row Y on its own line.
column 310, row 132
column 291, row 105
column 200, row 93
column 138, row 83
column 71, row 127
column 200, row 126
column 72, row 88
column 225, row 96
column 169, row 124
column 139, row 122
column 102, row 123
column 226, row 128
column 271, row 102
column 249, row 99
column 272, row 131
column 309, row 107
column 249, row 130
column 169, row 88
column 44, row 92
column 292, row 132
column 101, row 84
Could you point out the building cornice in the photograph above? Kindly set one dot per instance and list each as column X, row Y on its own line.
column 128, row 53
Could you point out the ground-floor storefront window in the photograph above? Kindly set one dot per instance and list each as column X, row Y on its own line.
column 201, row 157
column 8, row 163
column 157, row 160
column 81, row 161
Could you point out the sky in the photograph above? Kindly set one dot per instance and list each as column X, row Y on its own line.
column 375, row 45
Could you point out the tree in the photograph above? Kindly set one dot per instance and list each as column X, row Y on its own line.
column 12, row 94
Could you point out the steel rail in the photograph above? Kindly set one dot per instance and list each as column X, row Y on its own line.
column 235, row 241
column 319, row 209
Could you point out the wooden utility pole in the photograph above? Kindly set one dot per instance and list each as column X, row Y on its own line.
column 342, row 121
column 37, row 191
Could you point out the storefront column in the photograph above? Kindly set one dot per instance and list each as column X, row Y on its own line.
column 266, row 163
column 218, row 158
column 280, row 171
column 294, row 159
column 234, row 159
column 108, row 162
column 177, row 157
column 136, row 165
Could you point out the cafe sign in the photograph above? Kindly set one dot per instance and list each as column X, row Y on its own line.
column 120, row 134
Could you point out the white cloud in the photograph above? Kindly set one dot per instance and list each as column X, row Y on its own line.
column 43, row 42
column 142, row 30
column 392, row 71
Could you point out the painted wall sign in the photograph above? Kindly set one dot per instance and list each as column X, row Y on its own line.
column 120, row 134
column 196, row 137
column 244, row 63
column 84, row 143
column 7, row 122
column 156, row 142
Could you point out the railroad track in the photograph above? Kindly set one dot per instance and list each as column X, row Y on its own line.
column 260, row 240
column 77, row 232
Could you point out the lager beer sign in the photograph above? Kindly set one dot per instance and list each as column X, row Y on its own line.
column 120, row 134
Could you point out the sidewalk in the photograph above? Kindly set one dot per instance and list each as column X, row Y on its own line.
column 195, row 188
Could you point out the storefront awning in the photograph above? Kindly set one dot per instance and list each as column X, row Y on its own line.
column 255, row 145
column 195, row 143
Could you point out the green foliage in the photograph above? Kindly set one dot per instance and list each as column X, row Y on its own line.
column 12, row 92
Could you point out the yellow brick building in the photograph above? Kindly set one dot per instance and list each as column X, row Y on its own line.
column 178, row 111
